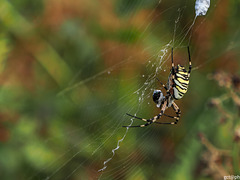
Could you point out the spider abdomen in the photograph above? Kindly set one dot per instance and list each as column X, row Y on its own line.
column 181, row 82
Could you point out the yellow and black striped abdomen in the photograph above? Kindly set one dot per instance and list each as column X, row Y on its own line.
column 180, row 84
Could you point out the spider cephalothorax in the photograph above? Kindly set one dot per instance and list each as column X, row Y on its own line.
column 176, row 87
column 158, row 97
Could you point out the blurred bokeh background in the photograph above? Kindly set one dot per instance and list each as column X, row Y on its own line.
column 71, row 69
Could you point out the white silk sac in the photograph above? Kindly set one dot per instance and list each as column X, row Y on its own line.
column 201, row 7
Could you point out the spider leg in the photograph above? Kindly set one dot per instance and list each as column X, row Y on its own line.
column 173, row 69
column 149, row 119
column 190, row 63
column 137, row 117
column 143, row 125
column 177, row 117
column 169, row 116
column 152, row 120
column 163, row 85
column 177, row 111
column 172, row 64
column 146, row 119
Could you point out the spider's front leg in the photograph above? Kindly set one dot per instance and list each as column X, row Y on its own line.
column 190, row 63
column 152, row 120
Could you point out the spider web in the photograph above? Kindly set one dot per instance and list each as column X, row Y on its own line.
column 102, row 163
column 98, row 147
column 154, row 64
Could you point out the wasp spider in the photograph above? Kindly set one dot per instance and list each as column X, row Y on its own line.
column 176, row 87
